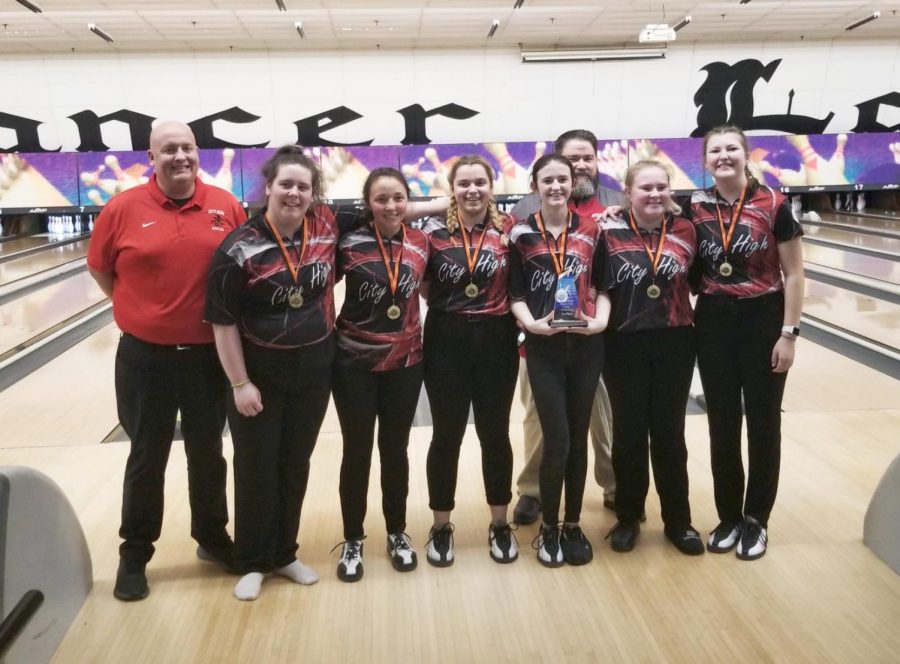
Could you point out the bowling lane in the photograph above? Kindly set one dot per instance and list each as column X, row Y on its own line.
column 888, row 226
column 19, row 268
column 852, row 262
column 23, row 318
column 13, row 246
column 849, row 238
column 69, row 401
column 867, row 316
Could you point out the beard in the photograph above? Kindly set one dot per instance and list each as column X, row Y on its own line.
column 585, row 186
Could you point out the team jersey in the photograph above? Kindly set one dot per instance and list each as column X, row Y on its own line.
column 765, row 219
column 627, row 274
column 448, row 274
column 532, row 275
column 368, row 338
column 251, row 285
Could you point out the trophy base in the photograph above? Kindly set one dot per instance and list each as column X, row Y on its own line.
column 578, row 322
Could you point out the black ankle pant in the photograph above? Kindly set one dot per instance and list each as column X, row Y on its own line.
column 563, row 370
column 470, row 360
column 361, row 397
column 272, row 451
column 648, row 376
column 735, row 338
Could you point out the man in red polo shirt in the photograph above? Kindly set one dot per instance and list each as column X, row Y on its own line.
column 589, row 197
column 150, row 253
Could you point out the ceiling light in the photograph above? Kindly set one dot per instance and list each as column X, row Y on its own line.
column 863, row 21
column 299, row 26
column 592, row 54
column 518, row 4
column 281, row 6
column 656, row 32
column 97, row 30
column 30, row 5
column 683, row 22
column 494, row 25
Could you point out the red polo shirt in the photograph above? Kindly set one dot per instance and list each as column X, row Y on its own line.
column 160, row 253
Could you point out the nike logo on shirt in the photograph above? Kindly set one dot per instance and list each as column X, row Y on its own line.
column 148, row 223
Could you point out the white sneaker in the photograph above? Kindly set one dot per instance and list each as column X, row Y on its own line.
column 439, row 549
column 399, row 547
column 549, row 553
column 502, row 542
column 724, row 538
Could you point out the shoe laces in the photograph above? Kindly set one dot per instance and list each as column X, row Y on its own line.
column 548, row 536
column 752, row 531
column 573, row 533
column 400, row 541
column 503, row 535
column 612, row 531
column 441, row 536
column 351, row 548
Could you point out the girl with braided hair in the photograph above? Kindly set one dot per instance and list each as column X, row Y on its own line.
column 470, row 353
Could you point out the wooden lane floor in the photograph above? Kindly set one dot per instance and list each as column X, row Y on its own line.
column 24, row 243
column 819, row 595
column 852, row 262
column 27, row 266
column 25, row 317
column 851, row 239
column 866, row 223
column 868, row 316
column 68, row 401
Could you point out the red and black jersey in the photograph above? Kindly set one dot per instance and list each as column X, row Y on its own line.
column 766, row 219
column 627, row 273
column 367, row 337
column 448, row 273
column 532, row 275
column 250, row 284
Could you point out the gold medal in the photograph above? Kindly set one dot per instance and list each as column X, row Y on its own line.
column 393, row 312
column 295, row 299
column 725, row 269
column 653, row 291
column 471, row 290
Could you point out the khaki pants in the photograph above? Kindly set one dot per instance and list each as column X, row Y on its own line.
column 601, row 439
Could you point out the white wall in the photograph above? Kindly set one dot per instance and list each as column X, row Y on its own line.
column 516, row 101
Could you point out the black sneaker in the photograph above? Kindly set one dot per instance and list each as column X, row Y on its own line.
column 549, row 553
column 685, row 538
column 399, row 547
column 724, row 537
column 502, row 542
column 576, row 548
column 609, row 502
column 623, row 536
column 754, row 540
column 131, row 582
column 439, row 548
column 350, row 567
column 527, row 510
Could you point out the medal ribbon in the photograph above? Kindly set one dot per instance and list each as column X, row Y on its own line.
column 654, row 260
column 393, row 274
column 295, row 271
column 735, row 215
column 559, row 262
column 473, row 259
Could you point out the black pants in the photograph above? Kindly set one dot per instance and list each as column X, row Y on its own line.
column 272, row 451
column 735, row 338
column 153, row 383
column 470, row 360
column 361, row 397
column 648, row 376
column 563, row 371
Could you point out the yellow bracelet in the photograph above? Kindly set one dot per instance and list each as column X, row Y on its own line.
column 240, row 383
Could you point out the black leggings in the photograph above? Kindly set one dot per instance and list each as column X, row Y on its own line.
column 735, row 338
column 362, row 396
column 648, row 376
column 272, row 451
column 563, row 370
column 470, row 360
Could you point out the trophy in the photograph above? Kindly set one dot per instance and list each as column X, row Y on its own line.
column 566, row 306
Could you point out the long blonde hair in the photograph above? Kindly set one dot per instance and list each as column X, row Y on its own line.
column 453, row 210
column 639, row 166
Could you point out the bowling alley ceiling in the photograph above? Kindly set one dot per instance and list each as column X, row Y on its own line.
column 254, row 25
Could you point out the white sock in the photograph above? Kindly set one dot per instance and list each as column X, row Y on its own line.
column 248, row 586
column 299, row 573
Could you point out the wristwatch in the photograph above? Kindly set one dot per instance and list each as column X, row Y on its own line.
column 790, row 331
